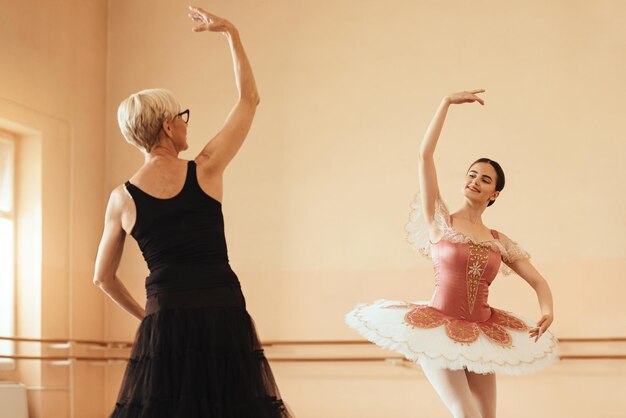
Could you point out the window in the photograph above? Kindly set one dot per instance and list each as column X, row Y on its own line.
column 7, row 243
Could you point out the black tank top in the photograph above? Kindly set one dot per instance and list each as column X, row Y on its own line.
column 182, row 238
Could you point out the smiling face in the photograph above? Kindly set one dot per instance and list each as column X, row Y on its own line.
column 480, row 183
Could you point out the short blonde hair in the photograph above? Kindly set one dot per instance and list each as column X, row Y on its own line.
column 141, row 115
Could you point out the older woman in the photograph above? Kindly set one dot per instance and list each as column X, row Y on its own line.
column 196, row 352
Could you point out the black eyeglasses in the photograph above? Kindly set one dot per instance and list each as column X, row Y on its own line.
column 184, row 115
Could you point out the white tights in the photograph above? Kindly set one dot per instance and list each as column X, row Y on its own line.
column 465, row 394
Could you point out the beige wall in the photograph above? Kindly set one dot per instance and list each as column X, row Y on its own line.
column 52, row 95
column 316, row 201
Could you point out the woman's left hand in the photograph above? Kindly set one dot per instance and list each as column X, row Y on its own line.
column 543, row 324
column 205, row 21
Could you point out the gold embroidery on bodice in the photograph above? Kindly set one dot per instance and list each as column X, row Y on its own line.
column 476, row 264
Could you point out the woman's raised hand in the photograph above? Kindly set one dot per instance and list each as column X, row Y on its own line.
column 205, row 21
column 466, row 97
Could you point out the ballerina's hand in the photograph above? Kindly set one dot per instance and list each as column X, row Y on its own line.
column 205, row 21
column 541, row 327
column 466, row 97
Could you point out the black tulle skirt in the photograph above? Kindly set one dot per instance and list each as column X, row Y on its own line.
column 196, row 354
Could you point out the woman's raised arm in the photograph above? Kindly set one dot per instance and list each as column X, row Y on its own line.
column 221, row 149
column 429, row 187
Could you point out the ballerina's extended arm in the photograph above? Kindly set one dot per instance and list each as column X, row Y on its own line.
column 529, row 273
column 427, row 173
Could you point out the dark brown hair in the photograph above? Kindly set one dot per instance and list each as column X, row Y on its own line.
column 499, row 174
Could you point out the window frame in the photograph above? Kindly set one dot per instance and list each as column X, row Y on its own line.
column 7, row 138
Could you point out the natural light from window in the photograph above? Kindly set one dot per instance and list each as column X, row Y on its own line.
column 7, row 243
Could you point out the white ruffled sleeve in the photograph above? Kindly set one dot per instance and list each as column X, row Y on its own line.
column 417, row 228
column 511, row 252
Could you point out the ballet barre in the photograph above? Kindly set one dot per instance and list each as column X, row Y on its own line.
column 361, row 342
column 65, row 361
column 269, row 343
column 61, row 341
column 67, row 344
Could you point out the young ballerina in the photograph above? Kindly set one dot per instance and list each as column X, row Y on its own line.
column 196, row 353
column 457, row 338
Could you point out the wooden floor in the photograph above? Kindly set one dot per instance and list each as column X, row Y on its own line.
column 571, row 388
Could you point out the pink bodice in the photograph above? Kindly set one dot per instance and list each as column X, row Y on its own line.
column 463, row 273
column 464, row 270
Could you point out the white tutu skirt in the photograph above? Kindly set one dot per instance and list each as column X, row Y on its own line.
column 423, row 335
